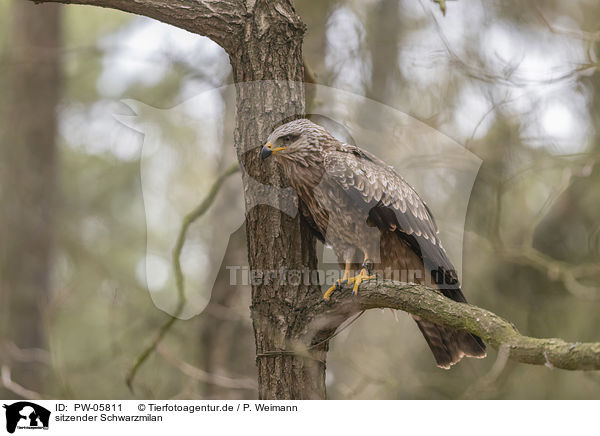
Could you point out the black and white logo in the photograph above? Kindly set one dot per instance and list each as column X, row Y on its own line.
column 26, row 415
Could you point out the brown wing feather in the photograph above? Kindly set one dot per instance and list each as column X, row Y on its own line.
column 409, row 238
column 375, row 182
column 393, row 205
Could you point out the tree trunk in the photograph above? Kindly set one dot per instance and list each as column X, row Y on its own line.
column 27, row 171
column 264, row 43
column 271, row 50
column 383, row 34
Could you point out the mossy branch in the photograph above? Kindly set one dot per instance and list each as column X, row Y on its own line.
column 431, row 305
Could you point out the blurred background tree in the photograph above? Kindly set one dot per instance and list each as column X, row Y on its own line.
column 28, row 161
column 517, row 83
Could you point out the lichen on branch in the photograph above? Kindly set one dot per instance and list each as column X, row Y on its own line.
column 431, row 305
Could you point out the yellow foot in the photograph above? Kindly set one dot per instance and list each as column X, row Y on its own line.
column 337, row 285
column 362, row 277
column 357, row 280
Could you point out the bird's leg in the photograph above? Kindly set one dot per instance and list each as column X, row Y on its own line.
column 367, row 265
column 339, row 283
column 365, row 274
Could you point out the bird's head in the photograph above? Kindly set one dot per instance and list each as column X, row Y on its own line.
column 297, row 140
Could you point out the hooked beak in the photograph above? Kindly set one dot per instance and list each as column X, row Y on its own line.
column 268, row 150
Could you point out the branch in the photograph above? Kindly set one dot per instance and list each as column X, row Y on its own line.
column 431, row 305
column 188, row 220
column 8, row 383
column 27, row 355
column 206, row 377
column 220, row 20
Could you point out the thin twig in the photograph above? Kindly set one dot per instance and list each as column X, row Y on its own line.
column 15, row 388
column 486, row 382
column 27, row 354
column 188, row 220
column 206, row 377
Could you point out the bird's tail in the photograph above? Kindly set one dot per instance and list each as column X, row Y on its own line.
column 404, row 252
column 448, row 345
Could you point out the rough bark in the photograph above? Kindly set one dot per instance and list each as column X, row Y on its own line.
column 432, row 306
column 220, row 20
column 264, row 42
column 27, row 172
column 273, row 52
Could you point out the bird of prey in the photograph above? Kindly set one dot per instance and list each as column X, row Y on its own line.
column 363, row 209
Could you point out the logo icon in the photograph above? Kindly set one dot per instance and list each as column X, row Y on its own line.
column 26, row 415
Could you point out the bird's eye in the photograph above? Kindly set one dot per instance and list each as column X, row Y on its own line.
column 287, row 138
